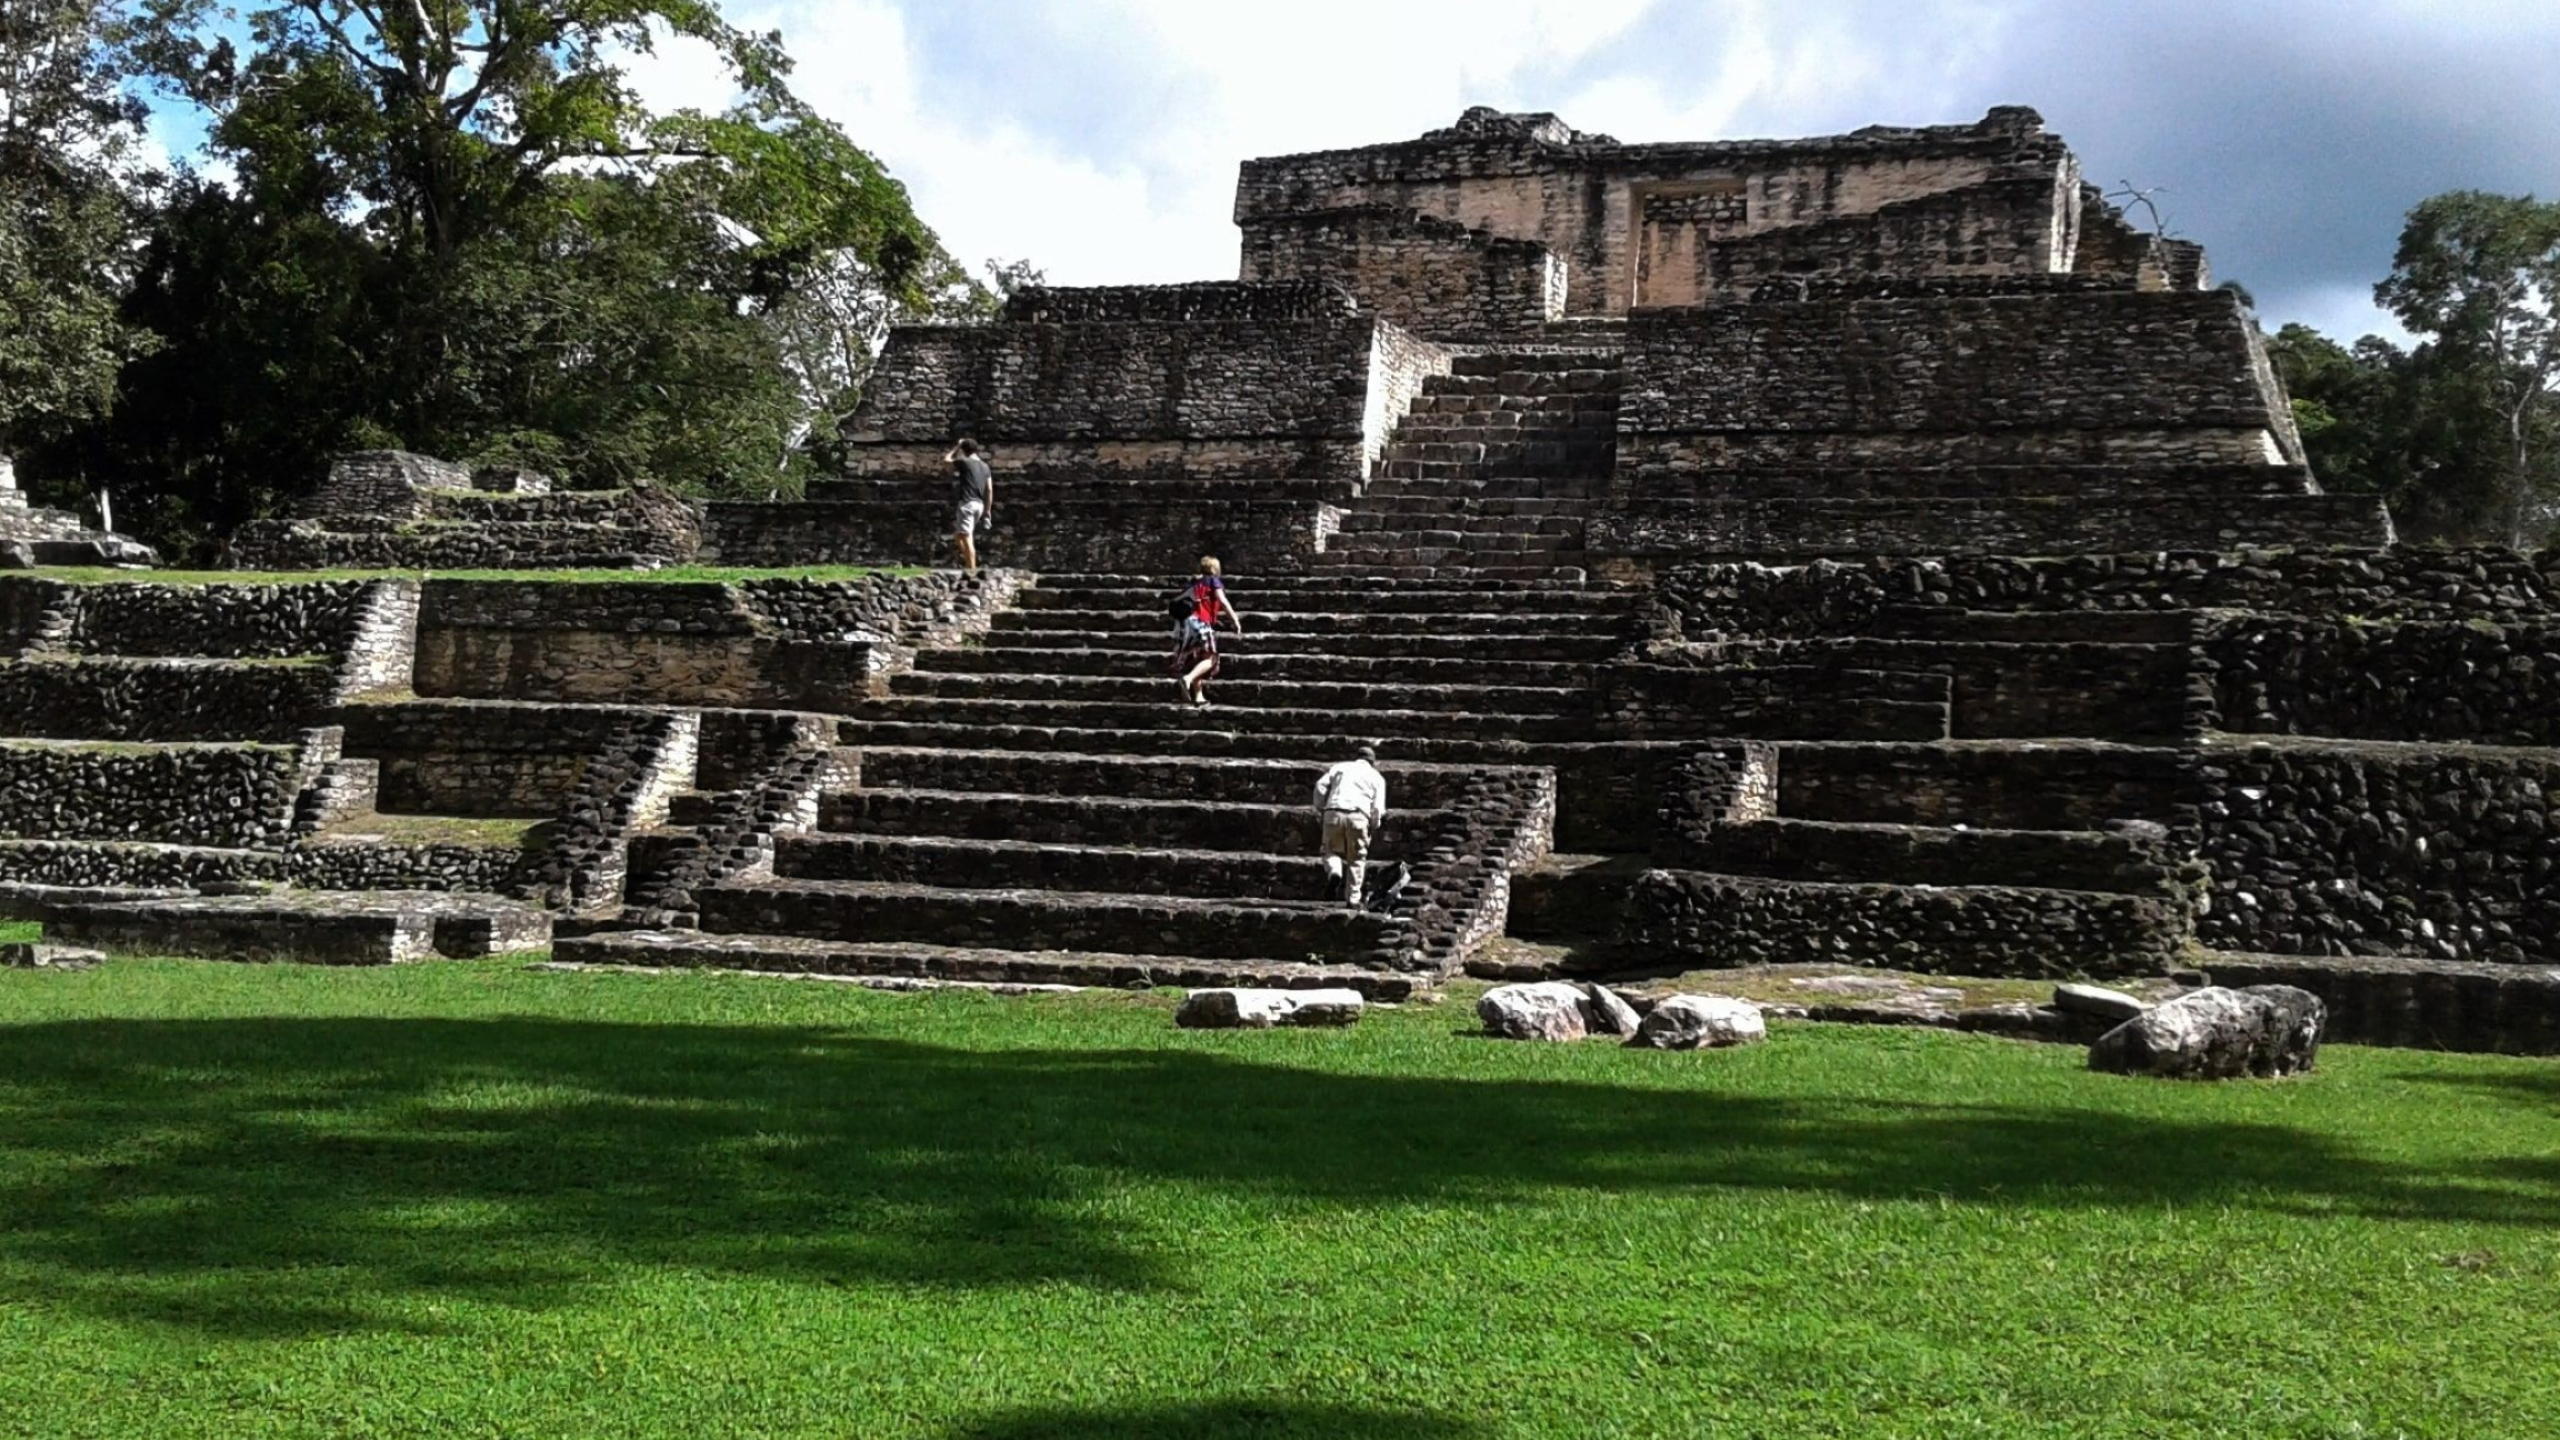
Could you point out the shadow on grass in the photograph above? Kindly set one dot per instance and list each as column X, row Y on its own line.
column 286, row 1177
column 1217, row 1420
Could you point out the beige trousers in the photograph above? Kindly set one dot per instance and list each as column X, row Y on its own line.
column 1346, row 850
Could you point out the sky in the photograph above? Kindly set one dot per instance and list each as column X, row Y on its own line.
column 1099, row 139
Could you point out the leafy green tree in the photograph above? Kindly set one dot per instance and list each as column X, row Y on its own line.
column 67, row 214
column 2480, row 275
column 501, row 251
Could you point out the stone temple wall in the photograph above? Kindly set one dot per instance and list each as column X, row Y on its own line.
column 1199, row 381
column 2124, row 378
column 1682, row 224
column 1435, row 276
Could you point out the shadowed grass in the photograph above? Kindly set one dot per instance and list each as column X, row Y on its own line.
column 471, row 1199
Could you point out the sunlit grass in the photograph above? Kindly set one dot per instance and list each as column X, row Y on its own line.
column 473, row 1199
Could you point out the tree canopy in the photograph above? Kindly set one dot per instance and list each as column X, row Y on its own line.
column 460, row 227
column 67, row 217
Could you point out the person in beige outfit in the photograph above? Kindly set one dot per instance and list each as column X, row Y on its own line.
column 1352, row 799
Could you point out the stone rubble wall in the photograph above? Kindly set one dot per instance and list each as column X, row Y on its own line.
column 2470, row 681
column 2002, row 228
column 2345, row 849
column 1531, row 177
column 2136, row 366
column 112, row 698
column 225, row 796
column 500, row 761
column 626, row 784
column 1199, row 396
column 1722, row 921
column 2419, row 1004
column 1431, row 276
column 1829, row 597
column 768, row 644
column 1093, row 529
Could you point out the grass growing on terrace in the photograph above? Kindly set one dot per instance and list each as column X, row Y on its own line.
column 472, row 1199
column 79, row 575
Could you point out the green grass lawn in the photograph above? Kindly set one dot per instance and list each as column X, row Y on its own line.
column 473, row 1199
column 92, row 575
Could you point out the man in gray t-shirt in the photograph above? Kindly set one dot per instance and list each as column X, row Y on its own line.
column 973, row 494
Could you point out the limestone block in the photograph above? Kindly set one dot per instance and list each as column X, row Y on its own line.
column 1541, row 1010
column 2217, row 1034
column 38, row 955
column 2097, row 1000
column 1236, row 1008
column 1700, row 1022
column 1606, row 1013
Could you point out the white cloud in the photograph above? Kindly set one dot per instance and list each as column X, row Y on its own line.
column 1251, row 80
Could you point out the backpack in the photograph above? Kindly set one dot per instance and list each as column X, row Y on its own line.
column 1180, row 605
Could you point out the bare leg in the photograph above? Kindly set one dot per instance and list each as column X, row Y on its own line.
column 1191, row 682
column 968, row 549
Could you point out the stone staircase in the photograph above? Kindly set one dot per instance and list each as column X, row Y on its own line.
column 1491, row 471
column 1040, row 807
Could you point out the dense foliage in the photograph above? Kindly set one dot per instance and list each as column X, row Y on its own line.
column 2461, row 433
column 459, row 227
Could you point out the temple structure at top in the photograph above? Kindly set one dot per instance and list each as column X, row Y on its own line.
column 1504, row 223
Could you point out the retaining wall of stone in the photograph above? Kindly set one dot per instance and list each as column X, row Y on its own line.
column 2339, row 849
column 2175, row 373
column 235, row 796
column 1434, row 277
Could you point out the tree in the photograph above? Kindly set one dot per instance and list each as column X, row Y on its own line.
column 66, row 215
column 2480, row 274
column 546, row 268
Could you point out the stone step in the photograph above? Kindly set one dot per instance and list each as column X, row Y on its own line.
column 1520, row 453
column 1155, row 586
column 327, row 928
column 1582, row 380
column 1218, row 928
column 1421, row 559
column 1451, row 504
column 132, row 865
column 1339, row 724
column 1291, row 828
column 1384, row 620
column 1465, row 563
column 1023, row 649
column 1327, row 599
column 1461, row 666
column 797, row 955
column 1855, row 853
column 1694, row 918
column 1462, row 522
column 1436, row 547
column 1158, row 687
column 1954, row 482
column 1445, row 488
column 1507, row 361
column 1499, row 427
column 1216, row 780
column 2107, row 627
column 1041, row 865
column 934, row 489
column 1506, row 468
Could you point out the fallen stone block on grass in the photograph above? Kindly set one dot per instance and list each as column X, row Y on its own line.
column 1554, row 1010
column 2216, row 1034
column 1700, row 1022
column 1236, row 1008
column 41, row 955
column 1605, row 1012
column 2097, row 1000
